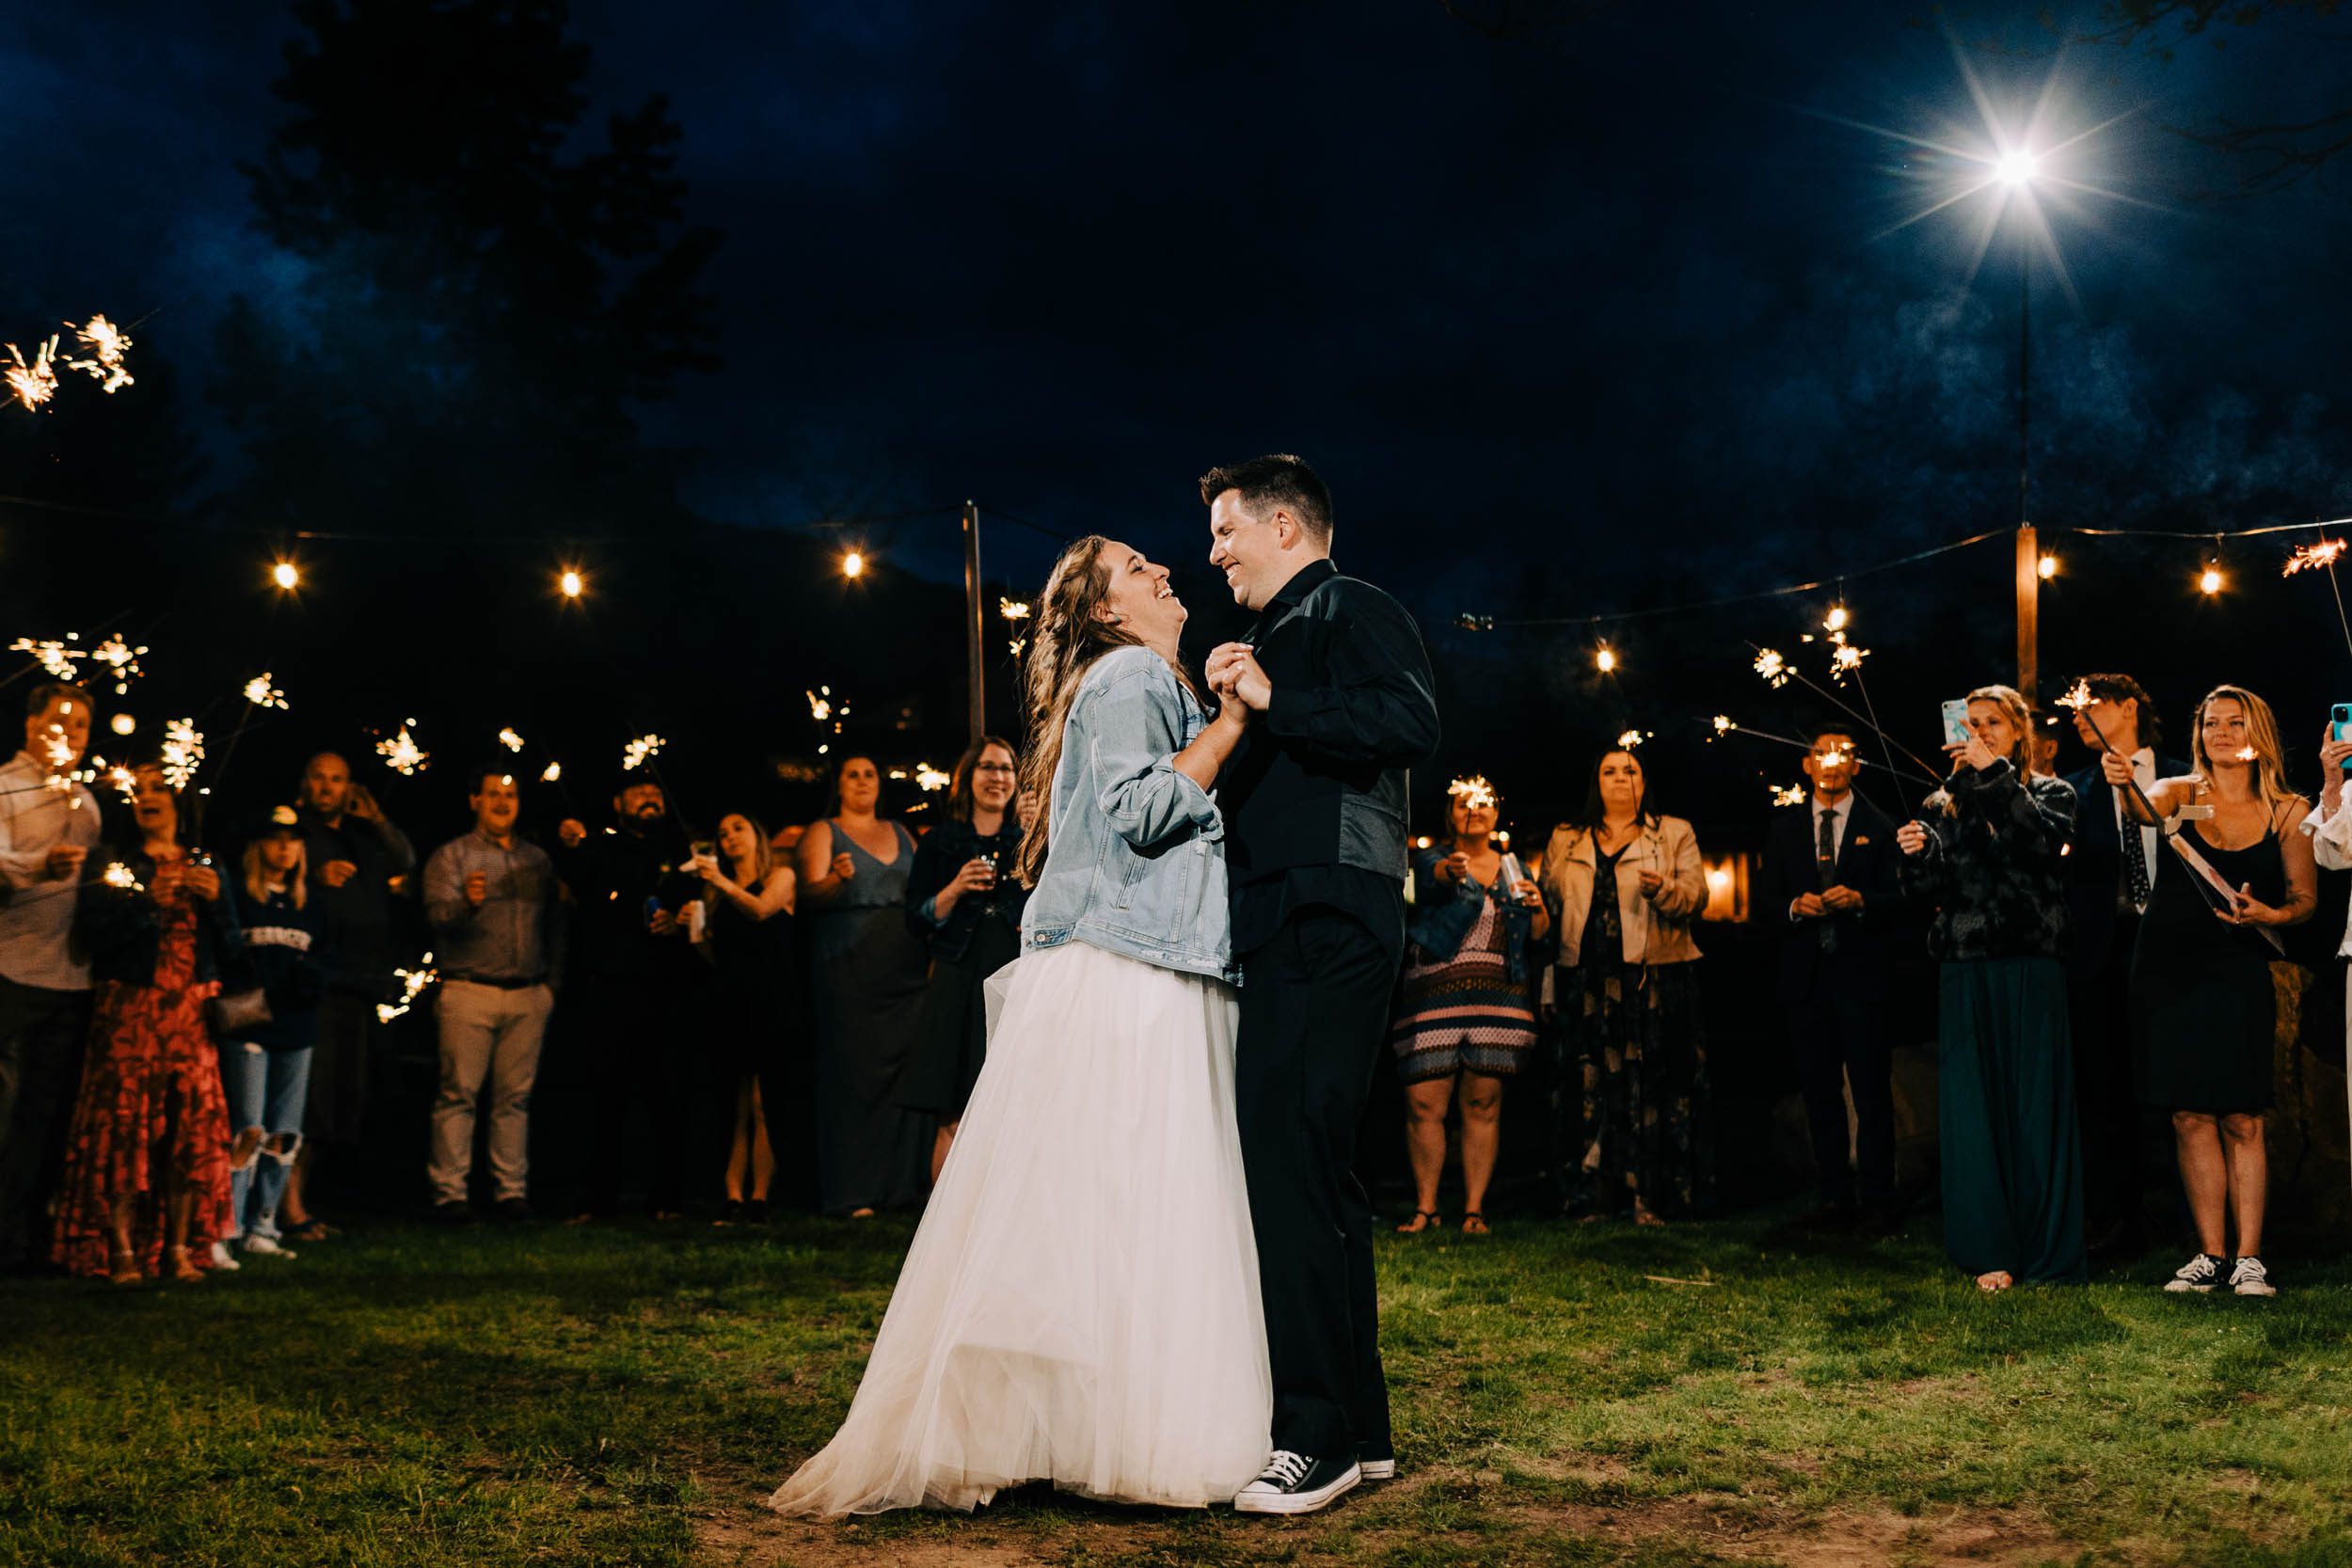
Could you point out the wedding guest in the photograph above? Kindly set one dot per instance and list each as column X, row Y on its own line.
column 641, row 992
column 867, row 973
column 1830, row 880
column 963, row 901
column 2110, row 874
column 2203, row 1005
column 490, row 899
column 1467, row 1016
column 359, row 863
column 45, row 834
column 748, row 938
column 1988, row 854
column 265, row 1065
column 2331, row 830
column 2047, row 736
column 1627, row 1004
column 145, row 1190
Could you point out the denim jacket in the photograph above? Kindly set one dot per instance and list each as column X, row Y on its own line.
column 1135, row 864
column 1442, row 920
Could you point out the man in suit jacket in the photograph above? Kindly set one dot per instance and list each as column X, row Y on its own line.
column 1830, row 878
column 2109, row 876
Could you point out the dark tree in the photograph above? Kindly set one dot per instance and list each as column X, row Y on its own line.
column 479, row 294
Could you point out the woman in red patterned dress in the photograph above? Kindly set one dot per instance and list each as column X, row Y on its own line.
column 145, row 1181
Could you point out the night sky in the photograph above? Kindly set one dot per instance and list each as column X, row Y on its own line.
column 1600, row 318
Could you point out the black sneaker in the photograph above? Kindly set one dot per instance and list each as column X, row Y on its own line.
column 2201, row 1274
column 513, row 1210
column 456, row 1212
column 1298, row 1483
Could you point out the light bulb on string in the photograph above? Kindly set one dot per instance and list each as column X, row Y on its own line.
column 1605, row 660
column 853, row 564
column 2046, row 568
column 286, row 575
column 2209, row 581
column 570, row 583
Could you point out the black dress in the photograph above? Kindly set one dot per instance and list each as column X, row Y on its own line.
column 755, row 990
column 2203, row 1006
column 981, row 935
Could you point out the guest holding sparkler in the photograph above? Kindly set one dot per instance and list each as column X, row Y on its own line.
column 45, row 834
column 2110, row 877
column 1467, row 1016
column 1623, row 886
column 1830, row 879
column 2203, row 1005
column 265, row 1067
column 963, row 899
column 145, row 1190
column 748, row 938
column 2330, row 830
column 358, row 864
column 641, row 991
column 866, row 975
column 1989, row 854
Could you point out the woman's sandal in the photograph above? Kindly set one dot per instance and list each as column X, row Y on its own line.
column 1474, row 1224
column 1423, row 1219
column 126, row 1268
column 183, row 1268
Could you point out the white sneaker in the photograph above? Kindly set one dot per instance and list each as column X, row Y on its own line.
column 264, row 1246
column 2248, row 1278
column 221, row 1258
column 2201, row 1274
column 1377, row 1469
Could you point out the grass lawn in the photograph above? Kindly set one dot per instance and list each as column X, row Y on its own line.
column 626, row 1395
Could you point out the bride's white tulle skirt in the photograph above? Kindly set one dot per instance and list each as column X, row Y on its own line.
column 1080, row 1303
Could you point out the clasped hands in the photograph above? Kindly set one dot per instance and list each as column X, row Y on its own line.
column 1238, row 679
column 1816, row 906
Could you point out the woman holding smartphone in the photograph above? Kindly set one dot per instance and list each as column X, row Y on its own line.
column 1986, row 852
column 962, row 901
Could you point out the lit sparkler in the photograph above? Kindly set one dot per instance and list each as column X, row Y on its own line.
column 508, row 738
column 401, row 754
column 1835, row 622
column 37, row 382
column 1631, row 738
column 106, row 345
column 639, row 751
column 123, row 659
column 121, row 876
column 182, row 753
column 61, row 662
column 820, row 704
column 2078, row 696
column 2309, row 558
column 931, row 779
column 1013, row 609
column 1789, row 794
column 1845, row 657
column 2245, row 754
column 1774, row 668
column 1473, row 793
column 552, row 773
column 261, row 694
column 1723, row 724
column 412, row 985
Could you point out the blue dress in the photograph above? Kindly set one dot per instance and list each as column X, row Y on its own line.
column 865, row 988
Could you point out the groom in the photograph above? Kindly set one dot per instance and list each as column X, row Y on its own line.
column 1315, row 815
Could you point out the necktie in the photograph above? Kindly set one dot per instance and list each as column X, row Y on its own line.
column 1827, row 854
column 2134, row 889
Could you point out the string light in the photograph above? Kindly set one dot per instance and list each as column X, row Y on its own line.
column 286, row 575
column 2046, row 568
column 1836, row 620
column 570, row 583
column 2209, row 581
column 853, row 564
column 1605, row 660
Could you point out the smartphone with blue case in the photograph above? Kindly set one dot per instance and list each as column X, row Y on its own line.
column 2339, row 726
column 1955, row 730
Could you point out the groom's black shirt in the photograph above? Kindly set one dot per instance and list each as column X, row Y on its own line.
column 1315, row 800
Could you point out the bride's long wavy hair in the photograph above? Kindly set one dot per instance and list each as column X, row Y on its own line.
column 1068, row 639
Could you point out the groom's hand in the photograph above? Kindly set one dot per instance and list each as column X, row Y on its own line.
column 1235, row 675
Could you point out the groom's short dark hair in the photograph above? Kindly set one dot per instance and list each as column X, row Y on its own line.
column 1280, row 480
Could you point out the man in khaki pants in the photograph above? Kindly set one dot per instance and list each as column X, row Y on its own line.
column 491, row 901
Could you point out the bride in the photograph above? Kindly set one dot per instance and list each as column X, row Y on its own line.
column 1080, row 1303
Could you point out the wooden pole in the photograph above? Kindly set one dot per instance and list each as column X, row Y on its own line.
column 2028, row 612
column 973, row 630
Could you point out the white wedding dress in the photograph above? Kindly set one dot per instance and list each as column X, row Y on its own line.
column 1080, row 1303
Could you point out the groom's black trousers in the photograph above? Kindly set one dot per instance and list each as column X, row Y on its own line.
column 1314, row 1014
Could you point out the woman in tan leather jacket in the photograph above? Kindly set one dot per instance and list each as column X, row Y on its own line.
column 1633, row 1093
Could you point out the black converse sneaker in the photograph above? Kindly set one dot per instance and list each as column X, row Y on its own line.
column 2201, row 1274
column 1297, row 1484
column 2248, row 1278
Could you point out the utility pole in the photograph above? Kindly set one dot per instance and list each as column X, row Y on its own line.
column 973, row 634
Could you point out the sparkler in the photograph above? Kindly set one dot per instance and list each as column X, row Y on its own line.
column 639, row 751
column 1779, row 671
column 61, row 662
column 182, row 753
column 123, row 659
column 106, row 344
column 122, row 723
column 401, row 754
column 552, row 773
column 1774, row 668
column 1723, row 724
column 1789, row 794
column 1629, row 739
column 412, row 985
column 1473, row 793
column 261, row 694
column 120, row 876
column 508, row 738
column 931, row 779
column 2324, row 554
column 37, row 382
